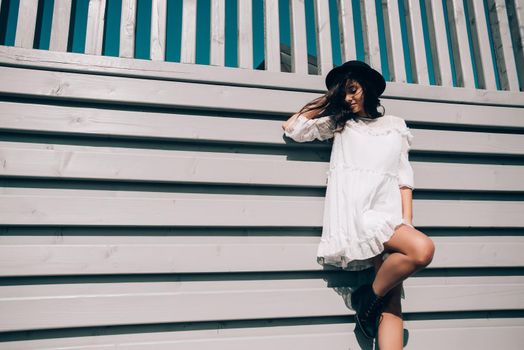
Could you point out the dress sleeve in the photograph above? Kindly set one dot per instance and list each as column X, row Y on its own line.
column 405, row 172
column 304, row 129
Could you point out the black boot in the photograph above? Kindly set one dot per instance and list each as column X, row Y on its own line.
column 368, row 307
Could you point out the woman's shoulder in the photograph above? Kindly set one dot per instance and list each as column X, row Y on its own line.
column 395, row 119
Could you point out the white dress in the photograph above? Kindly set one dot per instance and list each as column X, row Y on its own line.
column 363, row 205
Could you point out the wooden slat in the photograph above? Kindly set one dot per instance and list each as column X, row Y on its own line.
column 78, row 305
column 298, row 37
column 104, row 163
column 245, row 35
column 87, row 255
column 218, row 29
column 271, row 36
column 29, row 206
column 95, row 27
column 444, row 63
column 422, row 72
column 127, row 29
column 371, row 32
column 519, row 11
column 430, row 334
column 158, row 30
column 60, row 27
column 188, row 43
column 506, row 46
column 41, row 118
column 486, row 60
column 398, row 59
column 162, row 93
column 323, row 31
column 134, row 91
column 26, row 24
column 347, row 30
column 465, row 68
column 107, row 65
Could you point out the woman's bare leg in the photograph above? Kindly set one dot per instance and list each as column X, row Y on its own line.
column 410, row 251
column 391, row 327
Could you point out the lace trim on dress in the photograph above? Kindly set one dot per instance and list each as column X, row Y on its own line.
column 333, row 167
column 332, row 253
column 379, row 127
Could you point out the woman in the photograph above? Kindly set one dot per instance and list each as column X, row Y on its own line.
column 367, row 218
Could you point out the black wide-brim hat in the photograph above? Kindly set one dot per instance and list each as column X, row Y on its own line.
column 363, row 69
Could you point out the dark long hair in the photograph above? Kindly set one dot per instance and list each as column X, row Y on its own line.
column 333, row 104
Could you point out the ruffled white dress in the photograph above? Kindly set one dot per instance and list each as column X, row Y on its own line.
column 363, row 205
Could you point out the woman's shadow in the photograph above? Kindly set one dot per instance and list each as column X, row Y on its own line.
column 345, row 282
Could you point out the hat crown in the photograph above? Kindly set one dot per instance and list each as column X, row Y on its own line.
column 373, row 76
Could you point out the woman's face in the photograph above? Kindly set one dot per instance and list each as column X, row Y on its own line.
column 355, row 97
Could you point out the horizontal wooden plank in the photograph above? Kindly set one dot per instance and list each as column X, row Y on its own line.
column 42, row 118
column 208, row 254
column 113, row 163
column 476, row 333
column 135, row 91
column 93, row 304
column 163, row 93
column 30, row 206
column 75, row 62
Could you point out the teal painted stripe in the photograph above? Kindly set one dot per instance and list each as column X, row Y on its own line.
column 311, row 37
column 357, row 27
column 203, row 26
column 43, row 24
column 405, row 42
column 491, row 46
column 450, row 45
column 8, row 22
column 335, row 33
column 382, row 41
column 427, row 43
column 173, row 30
column 143, row 29
column 231, row 44
column 78, row 26
column 111, row 43
column 470, row 42
column 258, row 33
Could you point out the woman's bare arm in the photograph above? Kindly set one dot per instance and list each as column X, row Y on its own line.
column 407, row 203
column 309, row 114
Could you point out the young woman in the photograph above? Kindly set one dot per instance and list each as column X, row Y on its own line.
column 368, row 211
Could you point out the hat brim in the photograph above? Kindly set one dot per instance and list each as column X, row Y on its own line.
column 376, row 78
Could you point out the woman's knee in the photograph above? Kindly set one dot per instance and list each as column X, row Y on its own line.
column 424, row 252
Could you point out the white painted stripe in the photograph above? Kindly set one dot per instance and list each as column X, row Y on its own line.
column 95, row 27
column 298, row 37
column 26, row 24
column 127, row 29
column 188, row 43
column 158, row 30
column 323, row 30
column 271, row 36
column 218, row 37
column 507, row 46
column 422, row 72
column 398, row 60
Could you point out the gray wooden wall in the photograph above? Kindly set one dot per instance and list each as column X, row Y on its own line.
column 148, row 206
